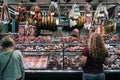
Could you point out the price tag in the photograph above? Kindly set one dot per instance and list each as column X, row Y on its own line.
column 88, row 15
column 118, row 14
column 102, row 15
column 32, row 12
column 52, row 13
column 16, row 13
column 57, row 21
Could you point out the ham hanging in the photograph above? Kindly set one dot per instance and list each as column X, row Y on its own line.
column 20, row 14
column 54, row 9
column 35, row 15
column 87, row 17
column 101, row 14
column 117, row 13
column 5, row 15
column 50, row 16
column 74, row 15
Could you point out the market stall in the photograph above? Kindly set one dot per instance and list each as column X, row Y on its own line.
column 44, row 38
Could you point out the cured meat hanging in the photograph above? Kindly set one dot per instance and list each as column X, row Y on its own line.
column 111, row 27
column 100, row 17
column 52, row 13
column 87, row 17
column 35, row 15
column 35, row 18
column 54, row 9
column 116, row 14
column 76, row 19
column 116, row 17
column 20, row 14
column 50, row 21
column 5, row 15
column 101, row 14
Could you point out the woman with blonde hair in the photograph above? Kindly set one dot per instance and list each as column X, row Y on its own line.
column 93, row 57
column 11, row 65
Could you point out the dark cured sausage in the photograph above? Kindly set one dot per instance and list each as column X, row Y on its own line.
column 5, row 15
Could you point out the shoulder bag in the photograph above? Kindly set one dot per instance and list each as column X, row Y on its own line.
column 5, row 66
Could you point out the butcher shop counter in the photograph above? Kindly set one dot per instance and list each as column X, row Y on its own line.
column 65, row 75
column 54, row 62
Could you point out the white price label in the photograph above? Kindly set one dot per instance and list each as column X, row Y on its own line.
column 118, row 14
column 32, row 12
column 52, row 14
column 57, row 21
column 16, row 13
column 102, row 15
column 88, row 15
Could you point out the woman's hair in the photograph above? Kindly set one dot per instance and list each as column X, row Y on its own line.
column 97, row 47
column 6, row 42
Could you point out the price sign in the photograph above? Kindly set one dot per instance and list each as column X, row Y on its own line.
column 16, row 13
column 88, row 15
column 32, row 12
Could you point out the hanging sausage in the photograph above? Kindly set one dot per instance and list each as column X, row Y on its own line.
column 100, row 17
column 35, row 18
column 117, row 12
column 87, row 17
column 5, row 15
column 54, row 9
column 35, row 14
column 80, row 21
column 43, row 19
column 50, row 21
column 111, row 27
column 101, row 14
column 116, row 17
column 52, row 13
column 20, row 14
column 76, row 19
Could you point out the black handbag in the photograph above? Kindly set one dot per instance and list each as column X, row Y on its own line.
column 5, row 66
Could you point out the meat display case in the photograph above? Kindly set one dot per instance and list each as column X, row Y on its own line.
column 61, row 56
column 57, row 60
column 51, row 56
column 42, row 56
column 61, row 61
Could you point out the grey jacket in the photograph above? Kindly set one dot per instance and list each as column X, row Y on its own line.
column 15, row 67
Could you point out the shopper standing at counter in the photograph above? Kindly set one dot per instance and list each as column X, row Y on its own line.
column 11, row 66
column 93, row 57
